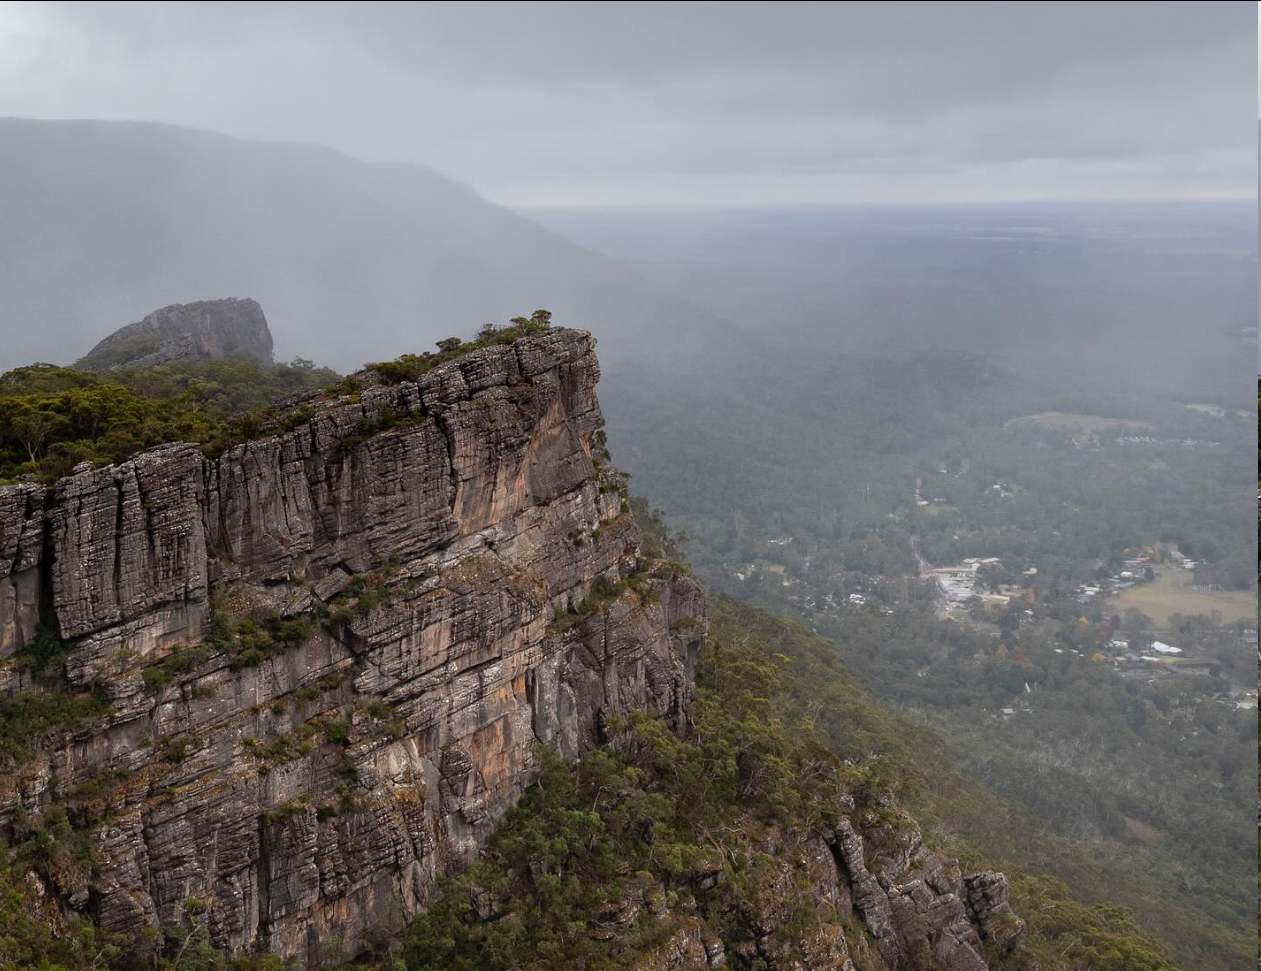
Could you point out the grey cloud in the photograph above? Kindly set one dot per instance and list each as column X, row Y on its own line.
column 707, row 102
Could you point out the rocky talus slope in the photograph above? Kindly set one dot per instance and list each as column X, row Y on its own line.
column 200, row 331
column 326, row 660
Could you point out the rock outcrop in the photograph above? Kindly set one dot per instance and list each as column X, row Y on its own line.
column 200, row 331
column 918, row 907
column 882, row 901
column 330, row 655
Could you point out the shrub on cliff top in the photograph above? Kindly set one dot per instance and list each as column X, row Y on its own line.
column 409, row 367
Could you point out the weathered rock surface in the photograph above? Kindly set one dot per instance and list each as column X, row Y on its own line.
column 434, row 536
column 989, row 907
column 22, row 523
column 200, row 331
column 917, row 906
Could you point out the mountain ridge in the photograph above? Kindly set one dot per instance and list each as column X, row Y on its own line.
column 340, row 643
column 325, row 242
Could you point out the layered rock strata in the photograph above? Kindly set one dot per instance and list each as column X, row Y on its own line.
column 329, row 655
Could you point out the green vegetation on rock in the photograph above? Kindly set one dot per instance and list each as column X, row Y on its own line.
column 52, row 418
column 409, row 367
column 51, row 704
column 26, row 716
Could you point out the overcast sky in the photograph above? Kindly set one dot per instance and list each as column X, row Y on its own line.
column 539, row 104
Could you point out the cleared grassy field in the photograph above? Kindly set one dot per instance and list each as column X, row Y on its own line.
column 1169, row 594
column 1082, row 423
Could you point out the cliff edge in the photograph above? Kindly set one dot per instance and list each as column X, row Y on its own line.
column 313, row 671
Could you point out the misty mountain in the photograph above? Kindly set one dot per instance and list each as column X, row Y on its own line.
column 352, row 261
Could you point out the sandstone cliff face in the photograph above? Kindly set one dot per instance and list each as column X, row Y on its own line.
column 198, row 331
column 447, row 556
column 330, row 655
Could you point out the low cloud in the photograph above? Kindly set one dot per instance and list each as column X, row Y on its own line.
column 685, row 103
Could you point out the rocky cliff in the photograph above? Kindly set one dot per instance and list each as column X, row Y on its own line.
column 327, row 656
column 271, row 697
column 200, row 331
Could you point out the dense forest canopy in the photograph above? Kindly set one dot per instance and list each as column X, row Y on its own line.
column 52, row 418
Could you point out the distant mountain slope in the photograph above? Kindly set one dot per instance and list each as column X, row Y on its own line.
column 103, row 221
